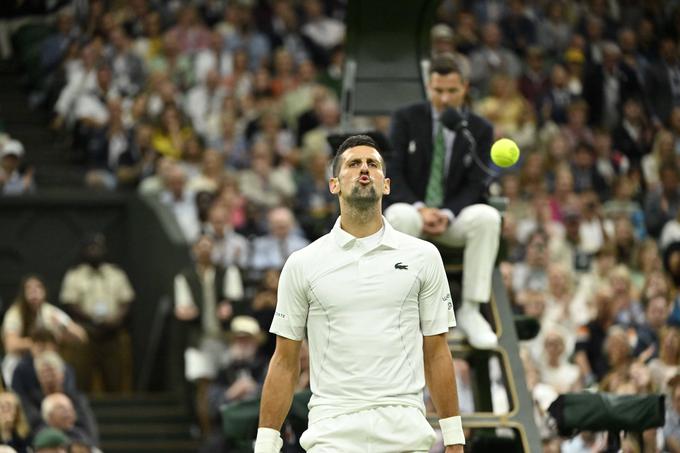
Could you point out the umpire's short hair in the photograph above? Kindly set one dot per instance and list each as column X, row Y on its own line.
column 352, row 142
column 445, row 64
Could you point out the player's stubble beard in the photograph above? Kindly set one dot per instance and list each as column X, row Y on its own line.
column 362, row 202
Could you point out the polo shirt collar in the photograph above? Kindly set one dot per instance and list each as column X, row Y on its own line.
column 343, row 238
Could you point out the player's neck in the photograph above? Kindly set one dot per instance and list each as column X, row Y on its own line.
column 359, row 222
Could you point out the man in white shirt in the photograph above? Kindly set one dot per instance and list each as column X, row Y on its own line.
column 376, row 309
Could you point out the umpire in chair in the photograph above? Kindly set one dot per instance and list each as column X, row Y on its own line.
column 439, row 168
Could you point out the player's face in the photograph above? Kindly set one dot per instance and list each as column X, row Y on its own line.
column 361, row 178
column 446, row 90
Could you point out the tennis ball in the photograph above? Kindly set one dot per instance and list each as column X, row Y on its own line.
column 504, row 152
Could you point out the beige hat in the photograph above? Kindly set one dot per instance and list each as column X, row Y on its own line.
column 442, row 31
column 12, row 148
column 246, row 326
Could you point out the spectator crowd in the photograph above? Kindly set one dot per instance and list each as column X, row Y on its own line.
column 221, row 111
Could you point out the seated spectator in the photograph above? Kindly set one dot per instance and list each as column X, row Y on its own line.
column 656, row 313
column 622, row 205
column 315, row 206
column 667, row 365
column 263, row 306
column 629, row 310
column 171, row 61
column 264, row 185
column 190, row 32
column 553, row 366
column 632, row 136
column 58, row 412
column 272, row 250
column 558, row 97
column 98, row 294
column 149, row 40
column 619, row 355
column 663, row 153
column 531, row 274
column 138, row 161
column 671, row 427
column 14, row 428
column 25, row 381
column 565, row 304
column 169, row 138
column 492, row 58
column 51, row 377
column 206, row 97
column 584, row 169
column 229, row 247
column 128, row 71
column 29, row 311
column 212, row 173
column 51, row 440
column 589, row 350
column 242, row 376
column 180, row 200
column 663, row 204
column 14, row 180
column 320, row 32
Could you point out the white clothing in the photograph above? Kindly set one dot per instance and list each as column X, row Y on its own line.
column 232, row 289
column 364, row 312
column 98, row 292
column 208, row 59
column 200, row 103
column 477, row 227
column 386, row 429
column 230, row 249
column 185, row 212
column 48, row 317
column 205, row 361
column 326, row 32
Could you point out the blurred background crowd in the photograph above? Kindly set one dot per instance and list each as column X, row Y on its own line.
column 221, row 110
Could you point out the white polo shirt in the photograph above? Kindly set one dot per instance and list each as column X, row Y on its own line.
column 364, row 310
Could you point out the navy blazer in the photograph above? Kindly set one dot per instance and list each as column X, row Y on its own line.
column 411, row 155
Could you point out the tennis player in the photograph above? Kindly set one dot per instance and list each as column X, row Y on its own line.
column 375, row 306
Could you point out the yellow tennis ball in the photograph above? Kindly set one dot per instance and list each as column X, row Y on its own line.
column 504, row 152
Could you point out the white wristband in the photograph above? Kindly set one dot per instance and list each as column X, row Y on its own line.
column 268, row 441
column 452, row 430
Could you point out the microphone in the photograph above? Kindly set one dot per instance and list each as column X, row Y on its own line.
column 452, row 119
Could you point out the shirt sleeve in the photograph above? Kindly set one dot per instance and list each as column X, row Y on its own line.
column 434, row 300
column 292, row 304
column 182, row 292
column 70, row 289
column 12, row 322
column 125, row 292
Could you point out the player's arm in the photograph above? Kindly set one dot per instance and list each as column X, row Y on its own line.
column 441, row 381
column 277, row 394
column 279, row 385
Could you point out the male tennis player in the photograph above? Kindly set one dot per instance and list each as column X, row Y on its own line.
column 375, row 306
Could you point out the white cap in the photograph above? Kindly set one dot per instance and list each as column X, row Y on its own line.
column 246, row 325
column 12, row 147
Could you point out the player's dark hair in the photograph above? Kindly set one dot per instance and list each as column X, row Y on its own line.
column 352, row 142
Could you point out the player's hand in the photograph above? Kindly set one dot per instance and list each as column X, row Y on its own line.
column 454, row 449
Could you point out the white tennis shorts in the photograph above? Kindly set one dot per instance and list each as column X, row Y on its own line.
column 385, row 429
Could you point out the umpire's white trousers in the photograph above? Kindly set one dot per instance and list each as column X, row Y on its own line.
column 384, row 429
column 477, row 227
